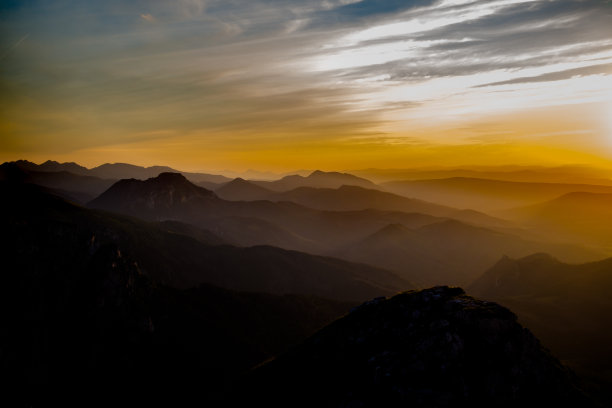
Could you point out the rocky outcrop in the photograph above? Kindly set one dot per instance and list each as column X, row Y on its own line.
column 435, row 347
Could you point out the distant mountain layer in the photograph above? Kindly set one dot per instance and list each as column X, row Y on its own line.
column 439, row 251
column 73, row 186
column 318, row 179
column 581, row 217
column 446, row 251
column 65, row 235
column 433, row 348
column 531, row 174
column 115, row 171
column 487, row 195
column 350, row 198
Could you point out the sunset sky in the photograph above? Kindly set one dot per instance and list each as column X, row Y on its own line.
column 330, row 84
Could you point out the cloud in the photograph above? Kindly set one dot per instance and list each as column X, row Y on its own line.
column 600, row 69
column 148, row 17
column 233, row 69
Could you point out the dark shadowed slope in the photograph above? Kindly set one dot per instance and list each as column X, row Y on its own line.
column 179, row 260
column 487, row 195
column 433, row 348
column 567, row 306
column 84, row 323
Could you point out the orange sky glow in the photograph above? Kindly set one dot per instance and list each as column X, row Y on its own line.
column 336, row 85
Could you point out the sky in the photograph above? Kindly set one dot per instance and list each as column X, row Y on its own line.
column 331, row 84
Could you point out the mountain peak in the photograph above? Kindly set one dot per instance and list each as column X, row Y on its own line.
column 412, row 350
column 165, row 196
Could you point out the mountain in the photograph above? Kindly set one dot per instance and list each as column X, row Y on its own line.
column 487, row 195
column 432, row 348
column 568, row 306
column 53, row 166
column 571, row 174
column 242, row 190
column 81, row 309
column 183, row 261
column 317, row 179
column 352, row 198
column 337, row 233
column 70, row 185
column 447, row 251
column 579, row 217
column 162, row 197
column 115, row 171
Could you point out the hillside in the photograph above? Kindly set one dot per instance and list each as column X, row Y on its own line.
column 68, row 234
column 93, row 318
column 436, row 347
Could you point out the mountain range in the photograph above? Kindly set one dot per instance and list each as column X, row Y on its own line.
column 438, row 250
column 159, row 275
column 486, row 194
column 178, row 260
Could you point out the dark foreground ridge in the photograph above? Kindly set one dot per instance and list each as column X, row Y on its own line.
column 431, row 348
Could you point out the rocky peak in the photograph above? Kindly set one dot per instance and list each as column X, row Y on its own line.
column 161, row 197
column 435, row 347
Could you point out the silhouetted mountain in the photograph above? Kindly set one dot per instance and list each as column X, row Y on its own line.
column 53, row 166
column 182, row 261
column 242, row 190
column 578, row 217
column 116, row 171
column 433, row 348
column 72, row 186
column 162, row 197
column 285, row 224
column 202, row 235
column 487, row 195
column 84, row 320
column 317, row 179
column 567, row 306
column 447, row 251
column 336, row 233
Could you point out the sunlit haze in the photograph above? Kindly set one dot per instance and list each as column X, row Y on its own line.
column 209, row 85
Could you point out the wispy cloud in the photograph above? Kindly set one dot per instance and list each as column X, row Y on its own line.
column 235, row 69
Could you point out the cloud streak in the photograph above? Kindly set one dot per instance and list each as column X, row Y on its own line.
column 109, row 72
